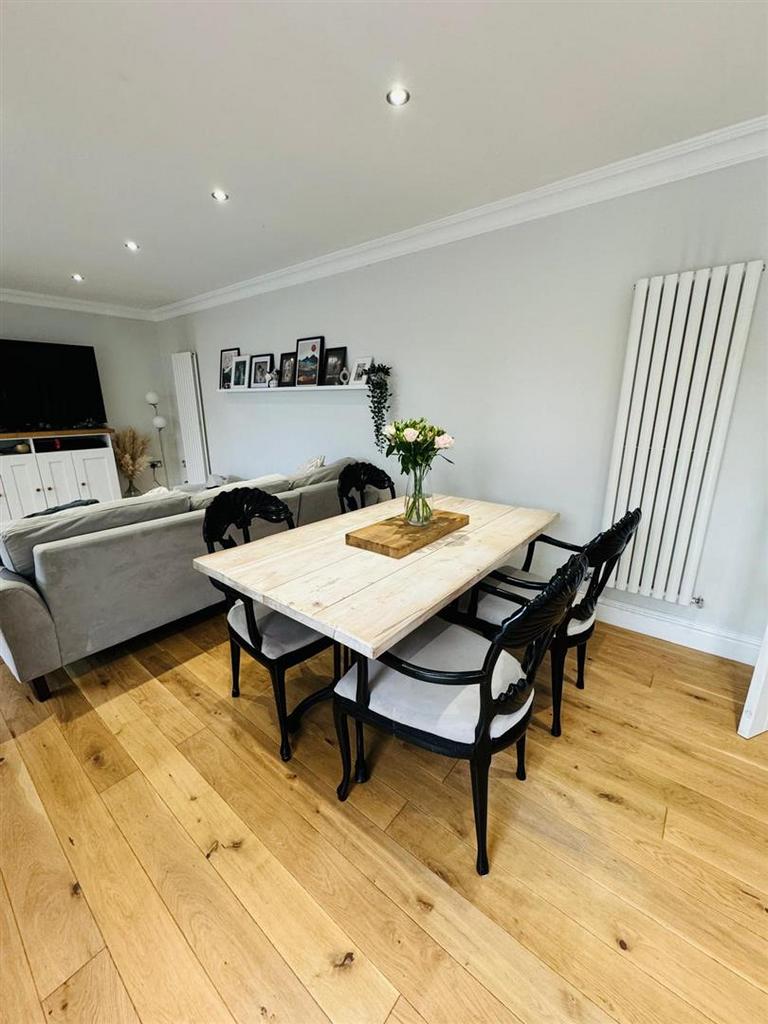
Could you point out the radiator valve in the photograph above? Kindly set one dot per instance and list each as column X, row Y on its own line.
column 698, row 601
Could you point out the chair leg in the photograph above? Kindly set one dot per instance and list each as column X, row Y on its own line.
column 40, row 688
column 234, row 656
column 342, row 735
column 361, row 768
column 336, row 662
column 557, row 656
column 521, row 758
column 278, row 688
column 581, row 661
column 479, row 767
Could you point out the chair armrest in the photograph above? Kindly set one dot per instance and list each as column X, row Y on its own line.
column 28, row 642
column 497, row 574
column 430, row 675
column 546, row 539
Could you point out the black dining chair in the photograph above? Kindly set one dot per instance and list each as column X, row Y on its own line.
column 358, row 476
column 456, row 691
column 276, row 641
column 490, row 601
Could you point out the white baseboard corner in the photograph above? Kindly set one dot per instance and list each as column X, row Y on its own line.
column 736, row 646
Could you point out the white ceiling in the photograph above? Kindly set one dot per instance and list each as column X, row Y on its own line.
column 119, row 119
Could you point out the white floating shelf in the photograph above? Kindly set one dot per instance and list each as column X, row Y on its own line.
column 329, row 388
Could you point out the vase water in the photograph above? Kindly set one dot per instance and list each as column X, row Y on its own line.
column 418, row 499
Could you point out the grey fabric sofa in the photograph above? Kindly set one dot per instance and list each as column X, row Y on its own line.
column 76, row 582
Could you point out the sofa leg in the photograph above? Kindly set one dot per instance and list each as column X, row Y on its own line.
column 40, row 688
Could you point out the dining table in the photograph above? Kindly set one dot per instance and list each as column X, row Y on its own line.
column 364, row 600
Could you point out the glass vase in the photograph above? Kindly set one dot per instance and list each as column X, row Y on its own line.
column 418, row 500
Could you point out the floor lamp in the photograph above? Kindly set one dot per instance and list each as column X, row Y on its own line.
column 159, row 423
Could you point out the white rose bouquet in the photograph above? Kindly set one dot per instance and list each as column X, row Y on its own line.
column 416, row 444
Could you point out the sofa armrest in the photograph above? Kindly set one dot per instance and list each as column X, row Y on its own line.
column 28, row 642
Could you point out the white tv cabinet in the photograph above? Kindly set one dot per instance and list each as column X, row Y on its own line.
column 59, row 467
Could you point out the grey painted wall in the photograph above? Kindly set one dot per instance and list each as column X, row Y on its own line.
column 128, row 356
column 514, row 342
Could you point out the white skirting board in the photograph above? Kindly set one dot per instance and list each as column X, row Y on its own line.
column 737, row 646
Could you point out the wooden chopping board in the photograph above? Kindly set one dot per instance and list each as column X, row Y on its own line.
column 396, row 538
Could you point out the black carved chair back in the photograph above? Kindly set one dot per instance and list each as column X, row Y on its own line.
column 357, row 476
column 603, row 552
column 533, row 626
column 237, row 509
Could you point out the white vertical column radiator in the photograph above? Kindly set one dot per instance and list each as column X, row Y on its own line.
column 687, row 336
column 189, row 403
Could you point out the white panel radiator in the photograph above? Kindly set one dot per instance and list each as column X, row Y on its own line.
column 195, row 461
column 687, row 336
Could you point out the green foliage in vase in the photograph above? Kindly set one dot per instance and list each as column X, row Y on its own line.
column 379, row 397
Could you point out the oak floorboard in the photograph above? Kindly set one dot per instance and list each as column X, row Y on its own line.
column 404, row 1013
column 164, row 980
column 18, row 998
column 642, row 971
column 528, row 988
column 627, row 883
column 311, row 746
column 56, row 925
column 95, row 993
column 346, row 984
column 246, row 968
column 100, row 755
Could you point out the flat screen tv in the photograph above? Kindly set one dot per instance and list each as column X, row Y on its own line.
column 49, row 387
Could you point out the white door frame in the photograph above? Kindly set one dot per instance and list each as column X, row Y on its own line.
column 754, row 717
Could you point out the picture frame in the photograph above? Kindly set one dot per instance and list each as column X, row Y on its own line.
column 287, row 370
column 239, row 373
column 225, row 367
column 258, row 368
column 335, row 361
column 309, row 360
column 360, row 369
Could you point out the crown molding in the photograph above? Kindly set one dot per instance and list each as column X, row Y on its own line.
column 22, row 298
column 712, row 151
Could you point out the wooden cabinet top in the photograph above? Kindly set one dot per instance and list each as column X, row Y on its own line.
column 55, row 433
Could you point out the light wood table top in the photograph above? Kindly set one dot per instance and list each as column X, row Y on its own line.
column 365, row 600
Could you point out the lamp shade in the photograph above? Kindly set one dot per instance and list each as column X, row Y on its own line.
column 152, row 398
column 159, row 422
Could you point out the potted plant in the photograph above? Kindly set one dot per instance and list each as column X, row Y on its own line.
column 417, row 444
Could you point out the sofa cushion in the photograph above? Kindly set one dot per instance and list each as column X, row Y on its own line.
column 274, row 483
column 19, row 538
column 319, row 476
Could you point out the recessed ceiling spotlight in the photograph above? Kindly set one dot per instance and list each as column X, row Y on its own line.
column 398, row 96
column 132, row 246
column 220, row 195
column 78, row 277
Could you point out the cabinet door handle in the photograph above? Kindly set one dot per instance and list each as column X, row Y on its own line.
column 38, row 489
column 83, row 483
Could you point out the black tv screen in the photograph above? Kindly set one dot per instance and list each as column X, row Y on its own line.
column 49, row 387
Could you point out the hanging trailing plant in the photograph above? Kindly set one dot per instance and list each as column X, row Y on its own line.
column 379, row 397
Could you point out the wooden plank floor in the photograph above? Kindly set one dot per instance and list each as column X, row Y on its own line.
column 161, row 864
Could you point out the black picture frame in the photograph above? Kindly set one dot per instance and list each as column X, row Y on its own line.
column 267, row 361
column 335, row 361
column 226, row 382
column 309, row 360
column 287, row 378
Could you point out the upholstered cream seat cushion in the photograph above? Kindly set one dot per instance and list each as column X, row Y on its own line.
column 442, row 710
column 279, row 633
column 495, row 609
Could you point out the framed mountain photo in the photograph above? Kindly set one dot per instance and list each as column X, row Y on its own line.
column 309, row 360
